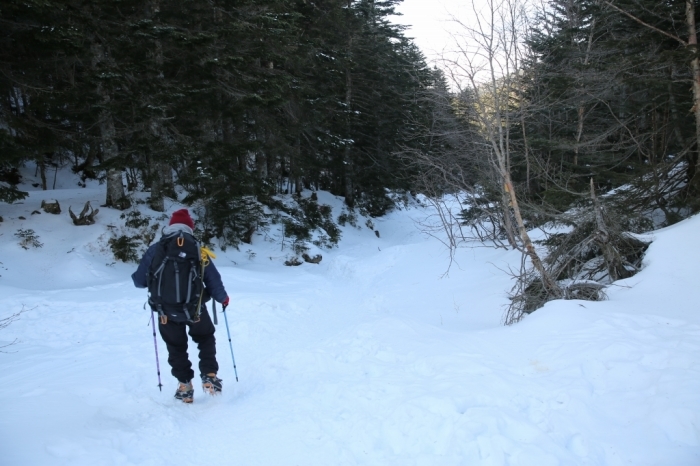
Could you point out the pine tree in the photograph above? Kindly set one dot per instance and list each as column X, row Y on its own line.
column 233, row 101
column 604, row 99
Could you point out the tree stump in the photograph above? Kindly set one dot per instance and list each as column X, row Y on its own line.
column 51, row 207
column 86, row 217
column 312, row 260
column 293, row 262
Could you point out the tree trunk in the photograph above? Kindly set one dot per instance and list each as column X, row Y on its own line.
column 41, row 162
column 549, row 283
column 261, row 164
column 526, row 149
column 695, row 66
column 675, row 117
column 110, row 150
column 160, row 171
column 115, row 184
column 157, row 199
column 347, row 155
column 508, row 226
column 581, row 108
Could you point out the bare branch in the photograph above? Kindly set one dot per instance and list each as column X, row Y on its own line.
column 7, row 321
column 643, row 23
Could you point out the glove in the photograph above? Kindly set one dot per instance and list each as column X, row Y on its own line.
column 225, row 302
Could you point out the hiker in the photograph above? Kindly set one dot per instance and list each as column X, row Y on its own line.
column 173, row 267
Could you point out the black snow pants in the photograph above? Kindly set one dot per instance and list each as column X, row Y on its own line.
column 175, row 337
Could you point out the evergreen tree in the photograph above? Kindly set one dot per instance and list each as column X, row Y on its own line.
column 235, row 101
column 604, row 98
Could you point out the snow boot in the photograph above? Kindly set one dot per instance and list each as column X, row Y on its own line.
column 211, row 383
column 185, row 392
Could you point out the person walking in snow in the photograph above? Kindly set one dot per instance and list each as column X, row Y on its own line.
column 180, row 278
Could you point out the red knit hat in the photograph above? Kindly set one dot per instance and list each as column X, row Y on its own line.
column 182, row 216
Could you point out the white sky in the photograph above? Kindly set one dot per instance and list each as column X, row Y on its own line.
column 431, row 22
column 438, row 26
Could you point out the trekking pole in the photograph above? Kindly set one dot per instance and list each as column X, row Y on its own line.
column 155, row 343
column 229, row 343
column 213, row 305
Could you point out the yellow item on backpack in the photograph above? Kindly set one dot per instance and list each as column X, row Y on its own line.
column 207, row 255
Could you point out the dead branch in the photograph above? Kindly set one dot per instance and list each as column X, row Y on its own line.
column 616, row 269
column 5, row 322
column 86, row 217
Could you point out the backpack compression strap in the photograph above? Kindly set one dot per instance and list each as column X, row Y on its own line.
column 159, row 307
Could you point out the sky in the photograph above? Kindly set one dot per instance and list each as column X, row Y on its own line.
column 431, row 22
column 378, row 355
column 437, row 26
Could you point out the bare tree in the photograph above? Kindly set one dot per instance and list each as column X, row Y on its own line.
column 499, row 97
column 491, row 72
column 470, row 144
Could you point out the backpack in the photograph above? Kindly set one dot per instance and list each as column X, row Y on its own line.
column 175, row 278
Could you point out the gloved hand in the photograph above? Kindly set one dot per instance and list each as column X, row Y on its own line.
column 225, row 302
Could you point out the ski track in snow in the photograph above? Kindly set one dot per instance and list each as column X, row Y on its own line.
column 373, row 357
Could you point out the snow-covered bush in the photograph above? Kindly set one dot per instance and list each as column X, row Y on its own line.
column 305, row 222
column 128, row 243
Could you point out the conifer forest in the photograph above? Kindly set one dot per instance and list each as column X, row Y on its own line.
column 582, row 112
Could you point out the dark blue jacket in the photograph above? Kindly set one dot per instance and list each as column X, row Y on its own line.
column 212, row 278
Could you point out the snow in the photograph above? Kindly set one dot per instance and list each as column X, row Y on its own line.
column 376, row 356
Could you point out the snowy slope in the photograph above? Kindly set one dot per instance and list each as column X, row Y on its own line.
column 375, row 356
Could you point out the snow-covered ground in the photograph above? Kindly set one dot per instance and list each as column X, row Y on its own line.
column 375, row 356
